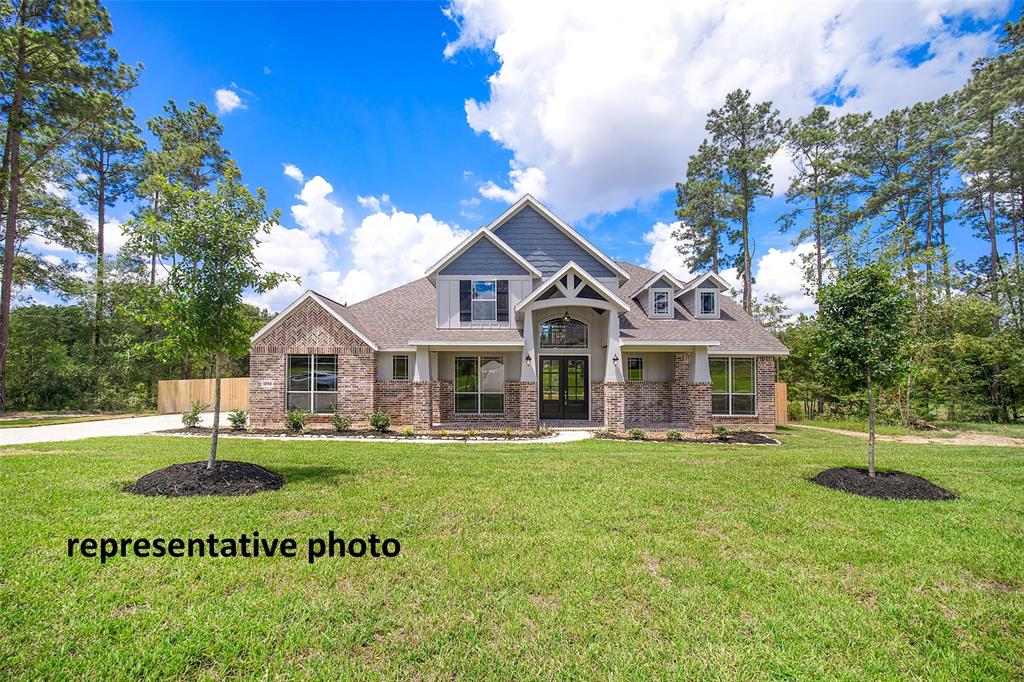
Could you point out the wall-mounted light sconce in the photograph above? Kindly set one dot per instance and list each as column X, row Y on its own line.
column 615, row 359
column 529, row 360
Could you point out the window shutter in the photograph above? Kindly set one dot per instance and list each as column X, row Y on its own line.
column 502, row 300
column 465, row 300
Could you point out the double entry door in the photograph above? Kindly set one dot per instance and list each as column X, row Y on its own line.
column 564, row 387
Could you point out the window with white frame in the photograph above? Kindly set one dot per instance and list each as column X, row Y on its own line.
column 485, row 300
column 708, row 303
column 313, row 383
column 479, row 385
column 732, row 386
column 400, row 367
column 634, row 369
column 661, row 303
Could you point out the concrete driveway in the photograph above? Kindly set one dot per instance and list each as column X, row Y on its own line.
column 131, row 426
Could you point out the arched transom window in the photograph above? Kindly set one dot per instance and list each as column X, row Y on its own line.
column 562, row 333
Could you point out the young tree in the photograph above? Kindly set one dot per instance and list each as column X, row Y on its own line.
column 746, row 136
column 214, row 235
column 862, row 335
column 702, row 208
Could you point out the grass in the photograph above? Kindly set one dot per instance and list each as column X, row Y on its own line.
column 50, row 420
column 583, row 560
column 951, row 427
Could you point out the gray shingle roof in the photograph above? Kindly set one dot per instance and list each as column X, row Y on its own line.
column 407, row 313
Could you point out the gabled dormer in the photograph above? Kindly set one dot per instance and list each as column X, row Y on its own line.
column 658, row 294
column 701, row 296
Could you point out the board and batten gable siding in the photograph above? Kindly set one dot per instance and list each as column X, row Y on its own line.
column 483, row 256
column 545, row 246
column 519, row 287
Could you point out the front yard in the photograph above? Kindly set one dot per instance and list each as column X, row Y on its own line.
column 584, row 560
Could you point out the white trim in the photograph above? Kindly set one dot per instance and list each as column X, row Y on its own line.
column 642, row 371
column 750, row 354
column 667, row 275
column 528, row 199
column 582, row 274
column 470, row 344
column 567, row 353
column 731, row 393
column 310, row 294
column 699, row 305
column 473, row 239
column 690, row 286
column 652, row 312
column 625, row 342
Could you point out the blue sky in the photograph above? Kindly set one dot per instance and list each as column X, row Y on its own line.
column 409, row 123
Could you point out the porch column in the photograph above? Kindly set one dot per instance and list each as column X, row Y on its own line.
column 613, row 358
column 422, row 410
column 528, row 377
column 528, row 371
column 614, row 390
column 699, row 402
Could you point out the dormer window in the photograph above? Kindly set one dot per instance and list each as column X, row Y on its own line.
column 661, row 303
column 708, row 304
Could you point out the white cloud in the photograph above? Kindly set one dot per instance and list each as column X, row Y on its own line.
column 389, row 249
column 294, row 172
column 298, row 253
column 374, row 204
column 776, row 272
column 317, row 213
column 602, row 102
column 227, row 100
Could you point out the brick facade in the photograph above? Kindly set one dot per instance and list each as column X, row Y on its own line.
column 614, row 406
column 528, row 406
column 445, row 395
column 597, row 401
column 764, row 400
column 648, row 402
column 396, row 398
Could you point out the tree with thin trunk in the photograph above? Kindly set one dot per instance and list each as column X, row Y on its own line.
column 703, row 209
column 747, row 137
column 214, row 236
column 862, row 335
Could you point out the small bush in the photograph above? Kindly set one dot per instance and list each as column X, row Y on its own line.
column 190, row 417
column 296, row 420
column 237, row 419
column 341, row 423
column 380, row 421
column 507, row 431
column 673, row 434
column 795, row 410
column 544, row 429
column 722, row 433
column 407, row 432
column 471, row 433
column 443, row 433
column 637, row 434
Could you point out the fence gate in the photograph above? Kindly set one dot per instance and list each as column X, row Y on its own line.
column 177, row 395
column 781, row 404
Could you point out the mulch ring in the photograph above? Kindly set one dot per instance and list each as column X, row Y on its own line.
column 885, row 485
column 735, row 438
column 187, row 480
column 369, row 434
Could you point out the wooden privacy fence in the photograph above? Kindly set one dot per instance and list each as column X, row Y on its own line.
column 177, row 395
column 781, row 404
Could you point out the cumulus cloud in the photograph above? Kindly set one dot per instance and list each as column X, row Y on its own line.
column 374, row 204
column 294, row 172
column 779, row 271
column 317, row 213
column 601, row 103
column 300, row 254
column 227, row 100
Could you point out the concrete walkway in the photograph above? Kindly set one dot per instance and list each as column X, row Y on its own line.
column 137, row 426
column 965, row 438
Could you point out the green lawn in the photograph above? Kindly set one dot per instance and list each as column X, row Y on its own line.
column 50, row 420
column 1009, row 430
column 589, row 560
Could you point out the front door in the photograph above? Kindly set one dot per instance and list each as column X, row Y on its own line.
column 564, row 387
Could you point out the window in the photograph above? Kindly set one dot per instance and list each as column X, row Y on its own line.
column 313, row 383
column 485, row 300
column 661, row 303
column 400, row 367
column 732, row 386
column 479, row 385
column 561, row 334
column 634, row 369
column 709, row 303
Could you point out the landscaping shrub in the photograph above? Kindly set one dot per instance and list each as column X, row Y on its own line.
column 722, row 433
column 795, row 410
column 237, row 419
column 380, row 421
column 341, row 423
column 407, row 432
column 190, row 417
column 507, row 431
column 673, row 434
column 296, row 420
column 637, row 434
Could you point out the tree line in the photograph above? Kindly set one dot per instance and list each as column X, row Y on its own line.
column 71, row 141
column 897, row 189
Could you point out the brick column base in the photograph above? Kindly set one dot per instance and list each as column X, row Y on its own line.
column 528, row 415
column 422, row 410
column 699, row 407
column 614, row 406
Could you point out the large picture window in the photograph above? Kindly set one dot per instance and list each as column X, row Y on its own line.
column 732, row 386
column 479, row 385
column 562, row 334
column 485, row 300
column 313, row 383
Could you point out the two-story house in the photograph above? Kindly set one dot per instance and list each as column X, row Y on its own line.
column 526, row 322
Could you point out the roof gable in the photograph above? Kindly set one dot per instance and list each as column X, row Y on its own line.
column 482, row 257
column 573, row 289
column 336, row 310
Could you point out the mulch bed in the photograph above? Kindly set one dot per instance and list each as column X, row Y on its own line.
column 186, row 480
column 885, row 485
column 737, row 437
column 368, row 434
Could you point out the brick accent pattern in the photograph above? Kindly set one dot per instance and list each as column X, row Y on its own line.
column 614, row 406
column 309, row 329
column 698, row 406
column 597, row 401
column 681, row 389
column 764, row 400
column 647, row 402
column 528, row 407
column 445, row 393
